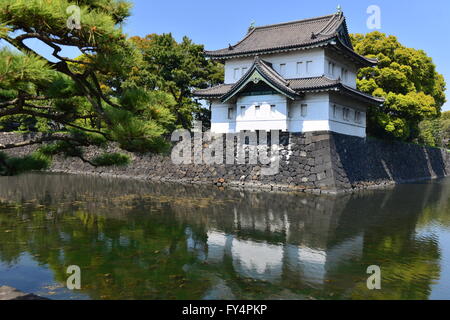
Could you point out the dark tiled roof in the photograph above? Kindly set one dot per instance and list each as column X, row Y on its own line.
column 312, row 83
column 324, row 83
column 284, row 35
column 351, row 91
column 320, row 31
column 301, row 85
column 212, row 92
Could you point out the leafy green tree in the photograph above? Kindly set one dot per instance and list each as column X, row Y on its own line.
column 177, row 68
column 436, row 132
column 91, row 98
column 406, row 78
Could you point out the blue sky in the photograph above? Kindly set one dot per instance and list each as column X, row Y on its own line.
column 417, row 24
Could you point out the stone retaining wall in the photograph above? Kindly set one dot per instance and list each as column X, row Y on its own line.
column 321, row 162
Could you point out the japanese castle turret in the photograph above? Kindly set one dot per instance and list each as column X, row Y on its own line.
column 296, row 76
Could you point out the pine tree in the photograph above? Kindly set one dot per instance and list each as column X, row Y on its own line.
column 92, row 98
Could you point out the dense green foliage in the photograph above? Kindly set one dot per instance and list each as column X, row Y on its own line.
column 406, row 78
column 130, row 91
column 16, row 165
column 109, row 159
column 436, row 132
column 177, row 68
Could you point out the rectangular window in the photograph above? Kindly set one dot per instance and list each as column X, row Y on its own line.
column 236, row 73
column 257, row 111
column 344, row 73
column 299, row 67
column 283, row 69
column 244, row 70
column 304, row 110
column 345, row 113
column 331, row 68
column 357, row 117
column 242, row 111
column 308, row 67
column 230, row 113
column 334, row 111
column 272, row 109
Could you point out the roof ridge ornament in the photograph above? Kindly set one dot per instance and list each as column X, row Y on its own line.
column 230, row 47
column 339, row 9
column 252, row 26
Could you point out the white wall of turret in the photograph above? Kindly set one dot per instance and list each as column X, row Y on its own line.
column 336, row 67
column 290, row 65
column 299, row 64
column 314, row 112
column 324, row 111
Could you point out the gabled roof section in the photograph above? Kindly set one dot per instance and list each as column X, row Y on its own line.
column 299, row 86
column 287, row 35
column 261, row 71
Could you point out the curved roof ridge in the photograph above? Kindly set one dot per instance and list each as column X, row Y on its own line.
column 268, row 68
column 281, row 24
column 242, row 40
column 289, row 36
column 372, row 60
column 276, row 25
column 330, row 23
column 380, row 99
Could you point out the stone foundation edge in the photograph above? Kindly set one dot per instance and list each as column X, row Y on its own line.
column 319, row 163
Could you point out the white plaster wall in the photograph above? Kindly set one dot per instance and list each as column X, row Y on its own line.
column 347, row 129
column 321, row 114
column 317, row 115
column 290, row 59
column 347, row 126
column 340, row 63
column 219, row 117
column 264, row 119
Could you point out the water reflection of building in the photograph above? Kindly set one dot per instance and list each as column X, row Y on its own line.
column 294, row 243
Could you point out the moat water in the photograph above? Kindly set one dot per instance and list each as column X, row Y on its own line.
column 137, row 240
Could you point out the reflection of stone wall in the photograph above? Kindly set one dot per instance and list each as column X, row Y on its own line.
column 295, row 239
column 307, row 219
column 320, row 162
